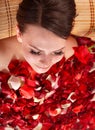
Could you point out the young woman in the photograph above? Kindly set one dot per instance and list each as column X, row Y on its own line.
column 46, row 22
column 48, row 83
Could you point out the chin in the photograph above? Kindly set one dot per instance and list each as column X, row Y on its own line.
column 40, row 70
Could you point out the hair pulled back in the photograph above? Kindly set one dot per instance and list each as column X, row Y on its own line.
column 54, row 15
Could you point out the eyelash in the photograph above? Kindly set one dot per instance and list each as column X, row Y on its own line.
column 34, row 52
column 38, row 53
column 58, row 53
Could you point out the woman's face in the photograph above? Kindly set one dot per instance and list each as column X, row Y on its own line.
column 41, row 48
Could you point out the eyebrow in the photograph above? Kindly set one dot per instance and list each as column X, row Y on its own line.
column 42, row 50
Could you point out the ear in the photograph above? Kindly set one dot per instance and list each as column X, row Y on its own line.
column 19, row 38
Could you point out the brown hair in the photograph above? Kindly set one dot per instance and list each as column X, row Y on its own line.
column 54, row 15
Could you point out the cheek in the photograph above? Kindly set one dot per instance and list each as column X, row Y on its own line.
column 57, row 59
column 31, row 59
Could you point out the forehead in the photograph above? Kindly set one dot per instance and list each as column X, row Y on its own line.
column 42, row 38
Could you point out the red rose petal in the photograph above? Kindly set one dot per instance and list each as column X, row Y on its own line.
column 77, row 109
column 4, row 76
column 83, row 54
column 26, row 91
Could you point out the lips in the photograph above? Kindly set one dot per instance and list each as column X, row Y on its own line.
column 42, row 67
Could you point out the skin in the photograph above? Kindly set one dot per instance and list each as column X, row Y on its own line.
column 41, row 48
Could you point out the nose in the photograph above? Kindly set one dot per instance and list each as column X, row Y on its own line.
column 46, row 61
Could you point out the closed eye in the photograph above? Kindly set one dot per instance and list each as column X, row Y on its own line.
column 35, row 52
column 59, row 53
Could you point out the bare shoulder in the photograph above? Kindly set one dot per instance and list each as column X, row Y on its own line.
column 8, row 48
column 71, row 42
